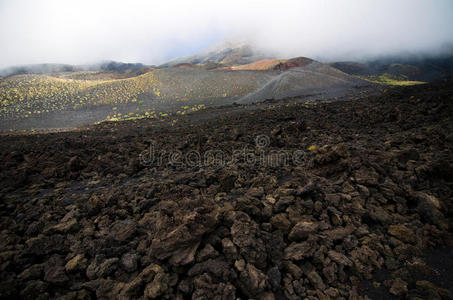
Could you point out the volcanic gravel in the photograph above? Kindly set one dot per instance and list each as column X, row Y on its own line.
column 341, row 200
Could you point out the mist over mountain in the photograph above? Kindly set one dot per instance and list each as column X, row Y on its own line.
column 420, row 68
column 226, row 54
column 85, row 32
column 109, row 66
column 244, row 56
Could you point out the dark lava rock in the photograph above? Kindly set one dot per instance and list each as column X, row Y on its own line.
column 302, row 230
column 354, row 217
column 181, row 242
column 54, row 271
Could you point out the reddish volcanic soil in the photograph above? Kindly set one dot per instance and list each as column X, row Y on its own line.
column 272, row 64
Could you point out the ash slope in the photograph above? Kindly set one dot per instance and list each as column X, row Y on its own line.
column 354, row 217
column 311, row 81
column 75, row 99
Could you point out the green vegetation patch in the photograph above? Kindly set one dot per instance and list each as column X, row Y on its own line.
column 388, row 79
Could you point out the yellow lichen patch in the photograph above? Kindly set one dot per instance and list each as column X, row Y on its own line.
column 387, row 79
column 34, row 93
column 312, row 148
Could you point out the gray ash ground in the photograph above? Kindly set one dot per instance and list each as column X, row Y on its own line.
column 366, row 213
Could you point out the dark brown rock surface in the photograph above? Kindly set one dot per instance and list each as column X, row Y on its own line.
column 359, row 205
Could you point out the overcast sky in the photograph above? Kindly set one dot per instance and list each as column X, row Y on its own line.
column 87, row 31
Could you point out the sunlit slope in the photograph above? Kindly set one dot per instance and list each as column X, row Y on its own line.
column 27, row 95
column 261, row 65
column 273, row 64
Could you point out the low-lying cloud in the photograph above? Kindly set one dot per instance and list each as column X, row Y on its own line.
column 151, row 32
